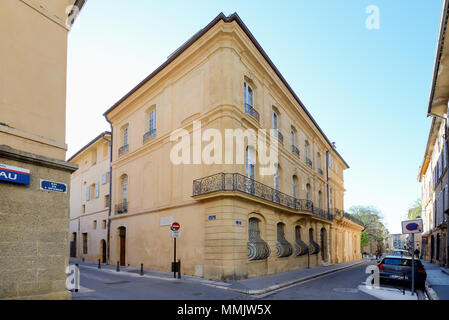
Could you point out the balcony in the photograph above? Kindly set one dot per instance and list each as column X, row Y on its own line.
column 295, row 150
column 150, row 134
column 320, row 171
column 122, row 207
column 123, row 149
column 252, row 112
column 336, row 212
column 279, row 135
column 241, row 183
column 322, row 214
column 353, row 219
column 309, row 162
column 301, row 248
column 258, row 250
column 284, row 248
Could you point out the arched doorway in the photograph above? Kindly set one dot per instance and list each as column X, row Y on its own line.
column 323, row 244
column 73, row 245
column 103, row 250
column 122, row 244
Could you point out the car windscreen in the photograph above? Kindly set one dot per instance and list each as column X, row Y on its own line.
column 401, row 262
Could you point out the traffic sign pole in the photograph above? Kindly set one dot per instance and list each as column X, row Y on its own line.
column 174, row 259
column 413, row 263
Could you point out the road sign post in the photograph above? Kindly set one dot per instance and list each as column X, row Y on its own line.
column 411, row 227
column 175, row 233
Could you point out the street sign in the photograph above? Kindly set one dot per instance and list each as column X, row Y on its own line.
column 175, row 233
column 175, row 226
column 412, row 226
column 48, row 185
column 14, row 174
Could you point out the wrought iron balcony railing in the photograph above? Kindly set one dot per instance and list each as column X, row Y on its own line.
column 295, row 150
column 252, row 112
column 238, row 182
column 336, row 212
column 301, row 247
column 320, row 171
column 123, row 149
column 258, row 250
column 284, row 248
column 279, row 135
column 309, row 162
column 352, row 218
column 121, row 207
column 314, row 247
column 322, row 214
column 150, row 134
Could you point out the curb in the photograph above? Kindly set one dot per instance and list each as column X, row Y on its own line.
column 430, row 292
column 285, row 284
column 445, row 271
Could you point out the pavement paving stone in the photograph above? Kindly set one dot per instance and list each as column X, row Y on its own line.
column 437, row 279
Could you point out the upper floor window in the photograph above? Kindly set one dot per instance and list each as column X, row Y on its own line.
column 295, row 187
column 307, row 153
column 124, row 139
column 320, row 199
column 249, row 101
column 151, row 117
column 275, row 120
column 307, row 191
column 124, row 188
column 277, row 178
column 94, row 156
column 250, row 163
column 330, row 161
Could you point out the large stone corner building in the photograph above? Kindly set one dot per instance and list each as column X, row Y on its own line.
column 34, row 176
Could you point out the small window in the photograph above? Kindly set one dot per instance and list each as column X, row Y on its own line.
column 94, row 225
column 249, row 95
column 94, row 156
column 92, row 190
column 84, row 208
column 106, row 201
column 103, row 224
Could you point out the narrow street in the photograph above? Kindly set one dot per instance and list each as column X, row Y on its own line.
column 107, row 284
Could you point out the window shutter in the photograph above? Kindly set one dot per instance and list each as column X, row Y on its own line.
column 87, row 193
column 446, row 197
column 103, row 178
column 445, row 154
column 97, row 189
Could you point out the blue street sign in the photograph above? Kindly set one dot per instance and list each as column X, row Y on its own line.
column 14, row 174
column 53, row 186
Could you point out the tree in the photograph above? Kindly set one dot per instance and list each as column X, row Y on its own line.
column 374, row 231
column 415, row 210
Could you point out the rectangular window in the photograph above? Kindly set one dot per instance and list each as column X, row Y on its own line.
column 94, row 225
column 275, row 121
column 249, row 95
column 97, row 189
column 84, row 208
column 125, row 136
column 84, row 243
column 152, row 121
column 87, row 193
column 103, row 178
column 106, row 201
column 103, row 224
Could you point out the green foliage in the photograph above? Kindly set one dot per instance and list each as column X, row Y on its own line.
column 415, row 210
column 374, row 231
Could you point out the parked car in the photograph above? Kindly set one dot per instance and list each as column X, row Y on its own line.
column 399, row 268
column 401, row 252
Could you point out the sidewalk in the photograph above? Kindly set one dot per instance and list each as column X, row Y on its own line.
column 252, row 286
column 437, row 283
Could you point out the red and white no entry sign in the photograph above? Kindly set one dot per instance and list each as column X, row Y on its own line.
column 175, row 226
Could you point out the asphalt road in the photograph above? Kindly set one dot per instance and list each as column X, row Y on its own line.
column 109, row 285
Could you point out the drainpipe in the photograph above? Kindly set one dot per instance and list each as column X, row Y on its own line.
column 108, row 222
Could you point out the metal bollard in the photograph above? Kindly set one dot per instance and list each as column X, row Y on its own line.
column 99, row 265
column 118, row 266
column 141, row 269
column 76, row 264
column 179, row 269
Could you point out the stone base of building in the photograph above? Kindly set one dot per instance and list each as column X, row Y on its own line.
column 34, row 225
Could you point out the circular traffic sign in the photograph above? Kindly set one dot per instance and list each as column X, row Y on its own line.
column 412, row 226
column 175, row 226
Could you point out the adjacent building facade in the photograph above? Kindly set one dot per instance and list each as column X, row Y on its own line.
column 89, row 201
column 433, row 171
column 34, row 176
column 236, row 222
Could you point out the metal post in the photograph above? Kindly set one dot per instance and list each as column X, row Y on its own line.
column 76, row 276
column 174, row 258
column 179, row 269
column 118, row 266
column 99, row 265
column 308, row 258
column 141, row 269
column 413, row 263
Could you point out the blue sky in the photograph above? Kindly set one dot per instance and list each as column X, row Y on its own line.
column 367, row 89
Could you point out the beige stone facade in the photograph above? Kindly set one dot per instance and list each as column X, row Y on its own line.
column 89, row 201
column 234, row 223
column 34, row 214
